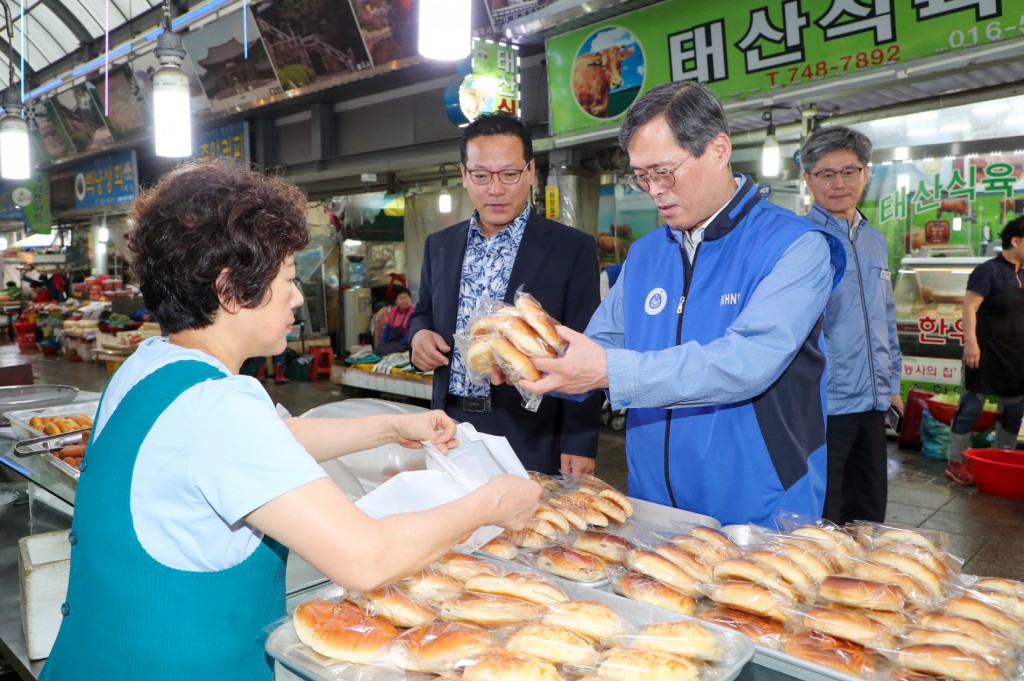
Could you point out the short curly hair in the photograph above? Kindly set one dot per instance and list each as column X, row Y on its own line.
column 207, row 217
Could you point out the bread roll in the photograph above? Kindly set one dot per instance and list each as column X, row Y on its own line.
column 1010, row 603
column 809, row 561
column 819, row 534
column 901, row 536
column 554, row 644
column 652, row 592
column 829, row 652
column 719, row 539
column 752, row 598
column 892, row 619
column 512, row 361
column 519, row 585
column 574, row 565
column 543, row 528
column 705, row 551
column 525, row 338
column 1007, row 586
column 504, row 665
column 651, row 564
column 359, row 639
column 631, row 664
column 619, row 499
column 502, row 547
column 848, row 626
column 592, row 619
column 909, row 566
column 887, row 574
column 599, row 504
column 685, row 561
column 309, row 615
column 548, row 513
column 430, row 583
column 786, row 568
column 861, row 593
column 686, row 638
column 977, row 630
column 526, row 539
column 571, row 512
column 606, row 546
column 439, row 647
column 963, row 641
column 543, row 323
column 488, row 610
column 462, row 566
column 947, row 661
column 760, row 630
column 398, row 607
column 749, row 571
column 965, row 606
column 480, row 355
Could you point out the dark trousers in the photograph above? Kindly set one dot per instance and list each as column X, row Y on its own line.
column 857, row 486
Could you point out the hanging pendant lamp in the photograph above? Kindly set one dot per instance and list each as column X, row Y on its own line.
column 172, row 101
column 446, row 28
column 15, row 163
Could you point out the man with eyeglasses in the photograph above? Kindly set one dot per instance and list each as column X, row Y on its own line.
column 860, row 328
column 505, row 245
column 712, row 334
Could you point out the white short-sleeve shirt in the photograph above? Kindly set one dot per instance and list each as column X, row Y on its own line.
column 217, row 453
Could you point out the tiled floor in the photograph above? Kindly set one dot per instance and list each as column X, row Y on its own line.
column 985, row 531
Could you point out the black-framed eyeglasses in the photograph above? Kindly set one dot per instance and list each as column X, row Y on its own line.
column 663, row 177
column 508, row 176
column 849, row 174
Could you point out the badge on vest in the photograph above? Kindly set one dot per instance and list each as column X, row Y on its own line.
column 655, row 302
column 885, row 274
column 729, row 299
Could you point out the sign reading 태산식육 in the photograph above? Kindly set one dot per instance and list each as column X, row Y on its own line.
column 28, row 200
column 746, row 47
column 229, row 140
column 491, row 85
column 106, row 180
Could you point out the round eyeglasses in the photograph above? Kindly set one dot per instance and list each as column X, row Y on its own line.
column 480, row 176
column 663, row 177
column 849, row 174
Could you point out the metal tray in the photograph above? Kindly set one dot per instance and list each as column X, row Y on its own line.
column 284, row 646
column 20, row 419
column 15, row 397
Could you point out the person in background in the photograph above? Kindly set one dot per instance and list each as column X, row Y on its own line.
column 279, row 365
column 53, row 292
column 712, row 334
column 504, row 246
column 395, row 336
column 39, row 292
column 192, row 489
column 864, row 360
column 993, row 324
column 609, row 275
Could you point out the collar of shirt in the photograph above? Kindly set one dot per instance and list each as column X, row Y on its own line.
column 514, row 231
column 692, row 238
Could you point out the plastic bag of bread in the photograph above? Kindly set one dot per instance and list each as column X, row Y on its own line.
column 811, row 555
column 609, row 547
column 763, row 631
column 554, row 644
column 945, row 661
column 488, row 610
column 930, row 547
column 504, row 665
column 431, row 584
column 847, row 625
column 686, row 638
column 397, row 606
column 501, row 547
column 722, row 545
column 344, row 631
column 861, row 593
column 594, row 486
column 1011, row 602
column 658, row 567
column 630, row 664
column 527, row 586
column 840, row 546
column 462, row 566
column 997, row 654
column 831, row 652
column 750, row 597
column 567, row 563
column 919, row 585
column 644, row 589
column 698, row 571
column 794, row 575
column 592, row 619
column 992, row 615
column 439, row 647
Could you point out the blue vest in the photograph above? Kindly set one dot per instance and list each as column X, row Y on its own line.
column 130, row 617
column 738, row 462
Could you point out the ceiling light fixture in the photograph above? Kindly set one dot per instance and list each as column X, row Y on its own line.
column 770, row 155
column 14, row 155
column 172, row 111
column 446, row 28
column 444, row 199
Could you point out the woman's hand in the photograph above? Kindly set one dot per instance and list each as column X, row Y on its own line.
column 516, row 500
column 435, row 427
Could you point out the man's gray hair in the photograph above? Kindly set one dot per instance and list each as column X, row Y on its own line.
column 694, row 115
column 826, row 140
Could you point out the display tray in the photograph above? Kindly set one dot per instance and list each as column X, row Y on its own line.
column 19, row 397
column 20, row 419
column 284, row 646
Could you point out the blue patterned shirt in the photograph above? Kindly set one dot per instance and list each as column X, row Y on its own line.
column 486, row 269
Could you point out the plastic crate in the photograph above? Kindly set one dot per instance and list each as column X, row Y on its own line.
column 998, row 471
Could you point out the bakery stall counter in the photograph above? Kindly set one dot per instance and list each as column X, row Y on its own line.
column 395, row 382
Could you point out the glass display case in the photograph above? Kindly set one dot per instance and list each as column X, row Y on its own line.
column 929, row 295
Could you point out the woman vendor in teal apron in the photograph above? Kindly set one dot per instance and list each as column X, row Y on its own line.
column 193, row 489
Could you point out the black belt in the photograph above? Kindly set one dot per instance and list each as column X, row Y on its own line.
column 477, row 404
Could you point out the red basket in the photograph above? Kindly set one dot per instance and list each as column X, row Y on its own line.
column 998, row 471
column 24, row 327
column 943, row 411
column 27, row 341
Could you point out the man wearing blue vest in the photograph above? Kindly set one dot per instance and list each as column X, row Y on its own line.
column 712, row 335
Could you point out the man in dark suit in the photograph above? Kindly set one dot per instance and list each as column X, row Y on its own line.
column 506, row 245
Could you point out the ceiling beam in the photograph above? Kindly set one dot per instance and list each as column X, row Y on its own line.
column 12, row 53
column 69, row 19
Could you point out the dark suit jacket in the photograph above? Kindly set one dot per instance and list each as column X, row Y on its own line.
column 558, row 265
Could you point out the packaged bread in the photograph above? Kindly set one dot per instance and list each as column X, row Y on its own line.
column 830, row 652
column 1010, row 603
column 915, row 592
column 685, row 561
column 647, row 590
column 526, row 539
column 893, row 619
column 592, row 619
column 861, row 593
column 910, row 566
column 791, row 573
column 1007, row 586
column 683, row 638
column 577, row 566
column 597, row 509
column 513, row 362
column 848, row 626
column 609, row 547
column 634, row 664
column 541, row 322
column 543, row 528
column 487, row 610
column 977, row 630
column 504, row 665
column 716, row 537
column 461, row 566
column 308, row 615
column 354, row 637
column 948, row 661
column 432, row 584
column 439, row 647
column 521, row 585
column 660, row 568
column 550, row 514
column 990, row 615
column 761, row 630
column 705, row 551
column 557, row 645
column 746, row 570
column 810, row 561
column 501, row 547
column 966, row 642
column 750, row 597
column 398, row 607
column 572, row 512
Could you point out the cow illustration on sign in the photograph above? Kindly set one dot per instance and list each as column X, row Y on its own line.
column 608, row 72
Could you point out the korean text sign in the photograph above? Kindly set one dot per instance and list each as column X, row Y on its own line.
column 106, row 180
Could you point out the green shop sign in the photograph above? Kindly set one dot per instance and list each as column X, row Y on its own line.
column 749, row 47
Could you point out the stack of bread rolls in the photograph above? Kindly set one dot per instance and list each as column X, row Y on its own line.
column 510, row 337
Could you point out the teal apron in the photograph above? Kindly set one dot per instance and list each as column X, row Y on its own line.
column 130, row 617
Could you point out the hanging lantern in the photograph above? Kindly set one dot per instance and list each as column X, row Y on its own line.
column 446, row 28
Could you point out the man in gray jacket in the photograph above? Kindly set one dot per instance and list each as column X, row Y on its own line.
column 864, row 360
